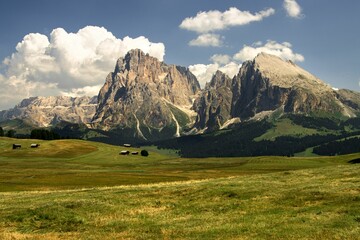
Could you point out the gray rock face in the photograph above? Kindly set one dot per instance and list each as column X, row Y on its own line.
column 47, row 111
column 351, row 99
column 146, row 95
column 268, row 84
column 214, row 104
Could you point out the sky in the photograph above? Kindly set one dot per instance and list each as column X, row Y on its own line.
column 50, row 48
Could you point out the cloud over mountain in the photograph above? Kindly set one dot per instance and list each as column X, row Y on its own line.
column 67, row 63
column 282, row 50
column 230, row 65
column 204, row 72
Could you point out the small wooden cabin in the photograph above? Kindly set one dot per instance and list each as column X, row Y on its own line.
column 34, row 145
column 127, row 145
column 124, row 152
column 16, row 146
column 135, row 153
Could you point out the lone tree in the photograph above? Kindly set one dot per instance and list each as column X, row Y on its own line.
column 144, row 153
column 1, row 132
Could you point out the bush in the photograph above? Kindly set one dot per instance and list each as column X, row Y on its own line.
column 144, row 153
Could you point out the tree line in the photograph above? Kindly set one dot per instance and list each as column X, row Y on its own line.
column 35, row 134
column 10, row 133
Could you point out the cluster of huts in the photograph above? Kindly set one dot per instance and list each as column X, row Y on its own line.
column 127, row 152
column 33, row 145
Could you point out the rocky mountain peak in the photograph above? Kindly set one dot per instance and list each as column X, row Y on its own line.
column 214, row 103
column 146, row 95
column 265, row 85
column 218, row 80
column 286, row 73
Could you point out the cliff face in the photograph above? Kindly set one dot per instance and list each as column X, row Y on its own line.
column 48, row 111
column 148, row 99
column 267, row 84
column 214, row 104
column 146, row 95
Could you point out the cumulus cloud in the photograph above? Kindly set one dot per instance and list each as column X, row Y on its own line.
column 207, row 39
column 220, row 58
column 205, row 72
column 293, row 9
column 215, row 20
column 66, row 63
column 231, row 65
column 282, row 50
column 205, row 23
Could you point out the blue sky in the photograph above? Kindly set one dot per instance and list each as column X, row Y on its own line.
column 44, row 50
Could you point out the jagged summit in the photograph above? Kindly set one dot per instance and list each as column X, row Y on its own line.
column 146, row 95
column 265, row 85
column 147, row 99
column 214, row 103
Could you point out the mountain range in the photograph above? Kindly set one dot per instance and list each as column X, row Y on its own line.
column 146, row 99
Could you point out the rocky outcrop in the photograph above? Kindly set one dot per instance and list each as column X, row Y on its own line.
column 268, row 84
column 214, row 104
column 48, row 111
column 351, row 100
column 147, row 96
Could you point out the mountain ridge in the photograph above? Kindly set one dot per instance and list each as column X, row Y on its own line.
column 48, row 111
column 150, row 100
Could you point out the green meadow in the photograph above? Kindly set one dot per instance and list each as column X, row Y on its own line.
column 74, row 189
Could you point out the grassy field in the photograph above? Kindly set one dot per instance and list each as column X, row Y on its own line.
column 72, row 189
column 285, row 127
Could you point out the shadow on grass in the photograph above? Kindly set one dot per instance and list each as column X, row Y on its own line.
column 354, row 161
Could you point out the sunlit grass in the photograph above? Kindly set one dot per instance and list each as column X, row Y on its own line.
column 73, row 189
column 321, row 203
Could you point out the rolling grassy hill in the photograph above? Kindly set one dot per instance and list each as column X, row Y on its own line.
column 73, row 189
column 68, row 164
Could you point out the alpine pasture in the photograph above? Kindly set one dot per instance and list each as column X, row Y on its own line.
column 73, row 189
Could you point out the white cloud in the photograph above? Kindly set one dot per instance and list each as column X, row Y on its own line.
column 231, row 65
column 84, row 91
column 293, row 9
column 204, row 72
column 207, row 39
column 282, row 50
column 215, row 20
column 220, row 58
column 66, row 63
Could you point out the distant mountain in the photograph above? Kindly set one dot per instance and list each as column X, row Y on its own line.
column 146, row 97
column 48, row 111
column 148, row 100
column 269, row 85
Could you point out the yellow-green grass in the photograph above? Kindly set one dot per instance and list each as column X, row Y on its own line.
column 73, row 164
column 318, row 203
